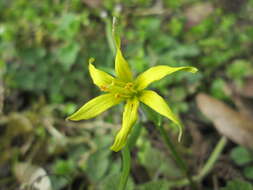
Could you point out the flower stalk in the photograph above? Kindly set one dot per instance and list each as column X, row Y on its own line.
column 124, row 87
column 126, row 163
column 126, row 156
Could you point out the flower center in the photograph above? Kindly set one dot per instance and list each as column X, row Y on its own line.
column 120, row 89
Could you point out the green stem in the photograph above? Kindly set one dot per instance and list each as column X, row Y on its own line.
column 108, row 31
column 212, row 159
column 126, row 156
column 180, row 162
column 207, row 167
column 126, row 159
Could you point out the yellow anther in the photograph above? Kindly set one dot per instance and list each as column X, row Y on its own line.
column 129, row 85
column 117, row 95
column 103, row 88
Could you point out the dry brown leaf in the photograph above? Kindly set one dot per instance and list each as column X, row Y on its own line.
column 32, row 176
column 230, row 123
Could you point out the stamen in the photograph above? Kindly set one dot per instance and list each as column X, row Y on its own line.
column 103, row 88
column 117, row 95
column 129, row 85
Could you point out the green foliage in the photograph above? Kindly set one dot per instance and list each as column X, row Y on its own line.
column 248, row 172
column 44, row 52
column 244, row 158
column 218, row 88
column 112, row 182
column 238, row 185
column 151, row 159
column 56, row 39
column 44, row 46
column 64, row 167
column 241, row 155
column 98, row 164
column 238, row 70
column 158, row 184
column 176, row 26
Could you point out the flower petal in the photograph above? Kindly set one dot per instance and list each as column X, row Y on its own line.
column 100, row 78
column 95, row 106
column 122, row 68
column 130, row 116
column 156, row 73
column 157, row 103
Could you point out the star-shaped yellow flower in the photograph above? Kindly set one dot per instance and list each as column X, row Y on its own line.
column 124, row 88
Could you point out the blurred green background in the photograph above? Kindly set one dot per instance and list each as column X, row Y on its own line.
column 44, row 50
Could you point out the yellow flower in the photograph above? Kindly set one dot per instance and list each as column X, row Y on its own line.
column 124, row 88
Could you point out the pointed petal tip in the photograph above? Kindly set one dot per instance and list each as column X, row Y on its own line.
column 157, row 73
column 180, row 135
column 91, row 60
column 114, row 148
column 194, row 70
column 118, row 144
column 70, row 118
